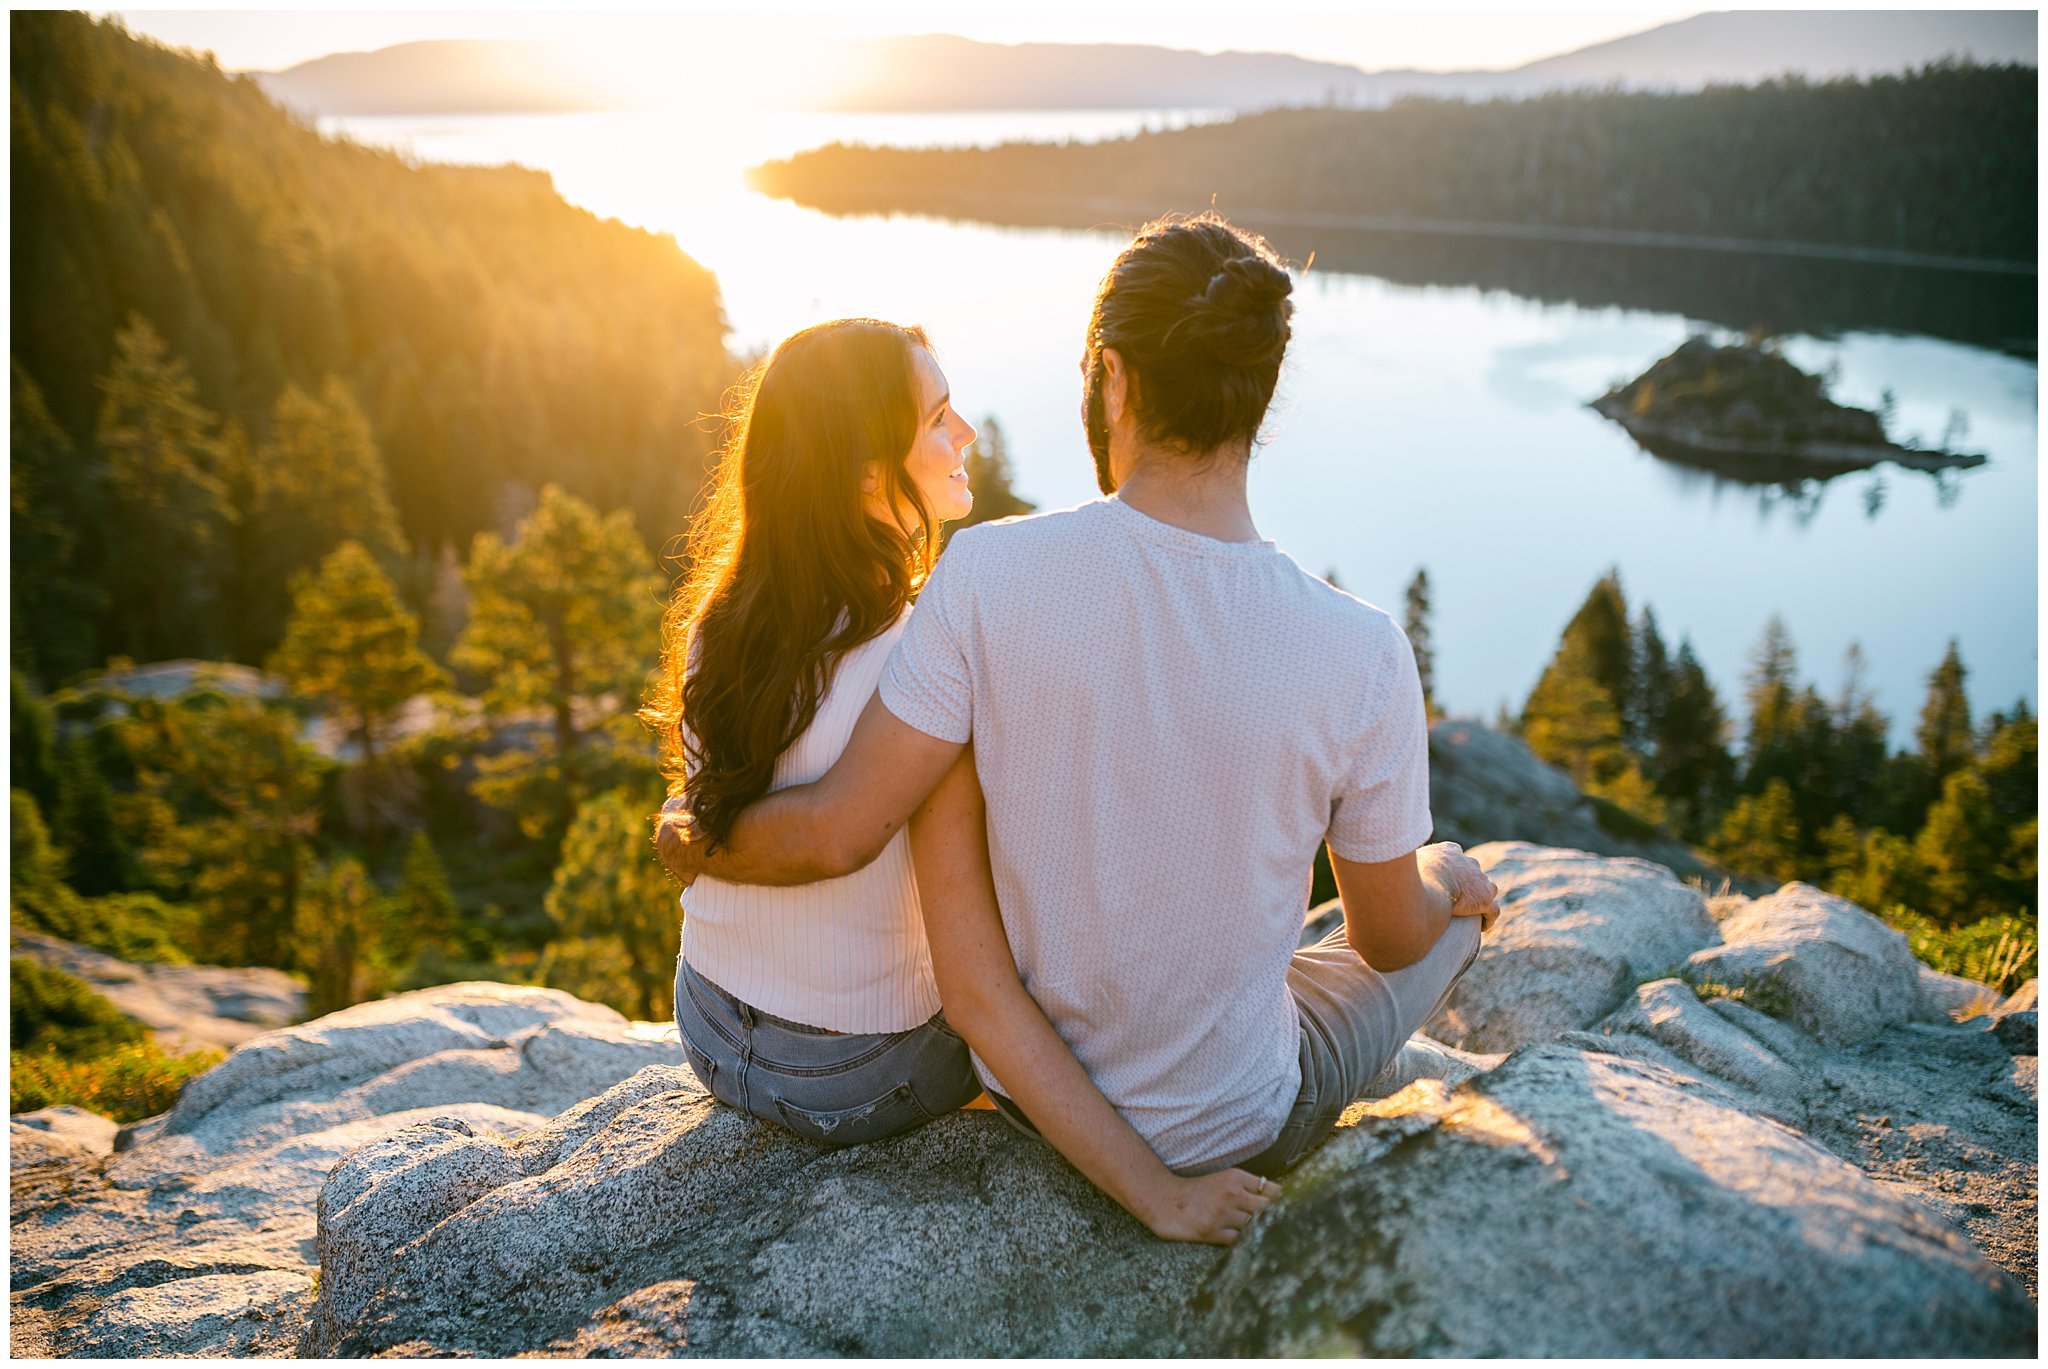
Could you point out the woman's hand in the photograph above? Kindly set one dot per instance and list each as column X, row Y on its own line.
column 1213, row 1208
column 682, row 858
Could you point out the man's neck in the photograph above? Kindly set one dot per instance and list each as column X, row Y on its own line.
column 1204, row 495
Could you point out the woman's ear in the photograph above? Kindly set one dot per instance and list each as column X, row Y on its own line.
column 871, row 477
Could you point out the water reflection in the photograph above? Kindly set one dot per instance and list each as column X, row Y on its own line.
column 1434, row 413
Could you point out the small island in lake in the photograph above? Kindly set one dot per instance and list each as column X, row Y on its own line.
column 1744, row 410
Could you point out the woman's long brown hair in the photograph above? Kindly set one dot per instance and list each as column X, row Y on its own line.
column 787, row 569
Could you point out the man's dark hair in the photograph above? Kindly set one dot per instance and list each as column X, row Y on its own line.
column 1199, row 312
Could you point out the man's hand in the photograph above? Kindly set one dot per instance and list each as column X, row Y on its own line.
column 1471, row 893
column 680, row 856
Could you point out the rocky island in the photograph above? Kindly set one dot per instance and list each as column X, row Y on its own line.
column 1745, row 411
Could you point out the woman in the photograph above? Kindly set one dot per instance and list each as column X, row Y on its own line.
column 813, row 1006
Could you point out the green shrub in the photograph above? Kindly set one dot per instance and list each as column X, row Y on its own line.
column 49, row 1010
column 2001, row 951
column 127, row 1083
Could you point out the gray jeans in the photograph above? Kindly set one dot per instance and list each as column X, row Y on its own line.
column 1354, row 1021
column 837, row 1088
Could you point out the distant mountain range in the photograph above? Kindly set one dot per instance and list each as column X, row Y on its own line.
column 942, row 72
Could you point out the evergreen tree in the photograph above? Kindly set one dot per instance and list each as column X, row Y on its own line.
column 1760, row 835
column 32, row 732
column 335, row 936
column 1576, row 716
column 1571, row 721
column 991, row 479
column 424, row 914
column 563, row 616
column 1961, row 849
column 1944, row 736
column 1862, row 752
column 1694, row 770
column 253, row 792
column 615, row 910
column 351, row 645
column 318, row 481
column 39, row 899
column 1652, row 686
column 56, row 593
column 165, row 501
column 86, row 824
column 2011, row 765
column 1770, row 691
column 1415, row 621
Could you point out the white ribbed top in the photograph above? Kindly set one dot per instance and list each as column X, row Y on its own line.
column 846, row 954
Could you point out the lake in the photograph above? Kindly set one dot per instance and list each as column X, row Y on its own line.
column 1429, row 415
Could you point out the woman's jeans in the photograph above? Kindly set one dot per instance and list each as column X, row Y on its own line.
column 837, row 1088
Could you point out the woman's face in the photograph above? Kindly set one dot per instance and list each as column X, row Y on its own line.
column 936, row 464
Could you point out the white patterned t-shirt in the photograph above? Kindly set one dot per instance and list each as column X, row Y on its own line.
column 1166, row 726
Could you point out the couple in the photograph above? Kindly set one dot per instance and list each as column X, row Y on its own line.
column 1117, row 735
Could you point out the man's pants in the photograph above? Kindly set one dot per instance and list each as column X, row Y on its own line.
column 1354, row 1021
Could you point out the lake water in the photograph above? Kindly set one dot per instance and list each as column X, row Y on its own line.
column 1432, row 416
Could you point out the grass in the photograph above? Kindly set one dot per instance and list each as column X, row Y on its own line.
column 2001, row 951
column 127, row 1083
column 1764, row 992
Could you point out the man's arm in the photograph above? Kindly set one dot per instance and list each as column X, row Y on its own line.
column 831, row 827
column 986, row 1003
column 1394, row 910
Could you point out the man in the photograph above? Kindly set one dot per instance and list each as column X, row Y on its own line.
column 1168, row 716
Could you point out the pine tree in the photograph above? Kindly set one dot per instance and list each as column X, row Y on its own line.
column 56, row 592
column 1571, row 721
column 32, row 731
column 335, row 936
column 1760, row 835
column 351, row 645
column 2012, row 765
column 320, row 481
column 1415, row 621
column 1944, row 737
column 563, row 616
column 1652, row 685
column 1576, row 716
column 424, row 912
column 85, row 824
column 615, row 911
column 1694, row 769
column 254, row 793
column 165, row 501
column 1961, row 849
column 1862, row 749
column 1769, row 690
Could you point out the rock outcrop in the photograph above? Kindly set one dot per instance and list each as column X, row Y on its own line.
column 186, row 1007
column 1656, row 1169
column 197, row 1236
column 1833, row 970
column 1489, row 786
column 1577, row 932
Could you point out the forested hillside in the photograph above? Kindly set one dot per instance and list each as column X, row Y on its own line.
column 236, row 342
column 1939, row 162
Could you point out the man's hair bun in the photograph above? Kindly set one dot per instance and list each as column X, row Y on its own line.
column 1247, row 285
column 1199, row 311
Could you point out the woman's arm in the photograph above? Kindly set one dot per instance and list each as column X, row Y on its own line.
column 986, row 1003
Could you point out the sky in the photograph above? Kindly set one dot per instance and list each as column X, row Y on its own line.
column 1438, row 39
